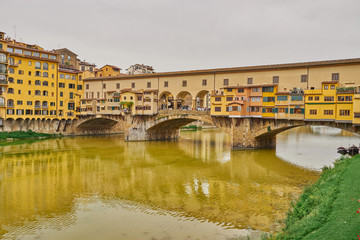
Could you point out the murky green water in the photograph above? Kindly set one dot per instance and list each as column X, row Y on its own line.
column 196, row 188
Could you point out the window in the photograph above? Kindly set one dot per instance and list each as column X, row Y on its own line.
column 73, row 77
column 148, row 84
column 37, row 65
column 256, row 99
column 133, row 85
column 217, row 99
column 11, row 70
column 304, row 78
column 268, row 89
column 19, row 91
column 67, row 76
column 29, row 73
column 249, row 81
column 344, row 112
column 296, row 98
column 10, row 49
column 45, row 66
column 44, row 55
column 61, row 94
column 21, row 72
column 45, row 74
column 326, row 87
column 62, row 76
column 29, row 103
column 87, row 86
column 166, row 84
column 310, row 98
column 229, row 98
column 335, row 76
column 18, row 51
column 240, row 90
column 19, row 102
column 226, row 82
column 37, row 82
column 45, row 93
column 357, row 115
column 36, row 54
column 79, row 87
column 19, row 81
column 10, row 90
column 29, row 92
column 69, row 58
column 313, row 112
column 71, row 86
column 328, row 99
column 61, row 85
column 20, row 61
column 27, row 53
column 45, row 83
column 268, row 99
column 229, row 89
column 71, row 95
column 38, row 93
column 255, row 89
column 282, row 98
column 38, row 73
column 204, row 82
column 275, row 79
column 118, row 86
column 11, row 80
column 328, row 112
column 217, row 109
column 61, row 103
column 184, row 83
column 11, row 61
column 317, row 98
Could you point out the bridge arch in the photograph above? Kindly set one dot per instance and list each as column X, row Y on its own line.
column 184, row 99
column 202, row 100
column 166, row 100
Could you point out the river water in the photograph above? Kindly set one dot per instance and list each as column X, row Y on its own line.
column 195, row 188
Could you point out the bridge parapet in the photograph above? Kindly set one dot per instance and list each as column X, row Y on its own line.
column 180, row 112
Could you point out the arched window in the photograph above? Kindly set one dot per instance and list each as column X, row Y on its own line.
column 38, row 92
column 45, row 83
column 37, row 104
column 45, row 66
column 10, row 103
column 37, row 82
column 38, row 73
column 10, row 90
column 11, row 70
column 45, row 93
column 45, row 104
column 37, row 65
column 45, row 74
column 80, row 78
column 11, row 80
column 11, row 61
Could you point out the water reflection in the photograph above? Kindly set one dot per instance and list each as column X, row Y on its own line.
column 313, row 146
column 50, row 186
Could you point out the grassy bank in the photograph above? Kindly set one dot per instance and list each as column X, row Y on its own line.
column 20, row 136
column 328, row 208
column 191, row 128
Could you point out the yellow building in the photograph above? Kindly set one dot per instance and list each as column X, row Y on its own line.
column 268, row 100
column 32, row 80
column 344, row 104
column 70, row 91
column 320, row 104
column 3, row 76
column 356, row 109
column 108, row 71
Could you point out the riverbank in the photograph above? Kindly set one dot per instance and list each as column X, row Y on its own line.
column 328, row 208
column 18, row 137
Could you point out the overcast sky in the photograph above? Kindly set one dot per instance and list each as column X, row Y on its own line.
column 173, row 35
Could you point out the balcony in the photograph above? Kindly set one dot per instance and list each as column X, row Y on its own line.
column 345, row 90
column 45, row 107
column 3, row 71
column 10, row 105
column 37, row 106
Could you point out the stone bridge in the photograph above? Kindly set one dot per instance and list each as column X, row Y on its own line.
column 244, row 132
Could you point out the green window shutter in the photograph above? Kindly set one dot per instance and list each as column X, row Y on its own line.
column 286, row 110
column 275, row 110
column 303, row 111
column 291, row 111
column 263, row 110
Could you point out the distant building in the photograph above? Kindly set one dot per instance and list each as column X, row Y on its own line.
column 87, row 69
column 67, row 57
column 139, row 69
column 108, row 71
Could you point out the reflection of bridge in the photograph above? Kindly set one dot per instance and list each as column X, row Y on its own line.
column 244, row 132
